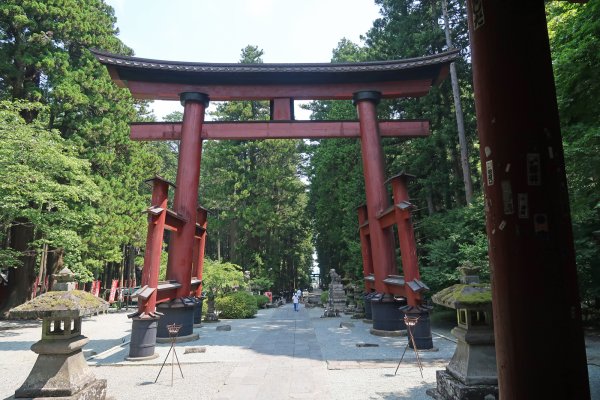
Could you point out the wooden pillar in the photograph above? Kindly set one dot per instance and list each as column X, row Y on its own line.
column 406, row 235
column 200, row 244
column 282, row 109
column 537, row 318
column 382, row 249
column 365, row 245
column 156, row 227
column 186, row 191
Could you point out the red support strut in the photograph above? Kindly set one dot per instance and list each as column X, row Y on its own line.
column 365, row 246
column 406, row 237
column 156, row 226
column 201, row 220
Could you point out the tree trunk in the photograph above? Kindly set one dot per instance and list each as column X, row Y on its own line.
column 21, row 278
column 464, row 154
column 43, row 269
column 430, row 206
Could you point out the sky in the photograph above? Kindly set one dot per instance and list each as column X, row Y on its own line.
column 217, row 30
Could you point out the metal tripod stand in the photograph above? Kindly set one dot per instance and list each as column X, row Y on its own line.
column 410, row 324
column 173, row 332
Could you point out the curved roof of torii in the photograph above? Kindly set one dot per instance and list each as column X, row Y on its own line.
column 165, row 80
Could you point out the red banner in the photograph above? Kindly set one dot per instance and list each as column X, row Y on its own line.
column 96, row 288
column 113, row 290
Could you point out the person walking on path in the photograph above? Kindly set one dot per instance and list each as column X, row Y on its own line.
column 295, row 300
column 299, row 294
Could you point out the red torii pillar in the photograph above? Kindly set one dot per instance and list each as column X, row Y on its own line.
column 181, row 247
column 540, row 348
column 382, row 250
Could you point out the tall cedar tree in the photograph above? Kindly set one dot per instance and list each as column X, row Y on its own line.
column 44, row 57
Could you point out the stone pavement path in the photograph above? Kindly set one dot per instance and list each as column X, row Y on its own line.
column 280, row 354
column 287, row 362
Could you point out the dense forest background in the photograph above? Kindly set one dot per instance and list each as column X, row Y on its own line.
column 71, row 181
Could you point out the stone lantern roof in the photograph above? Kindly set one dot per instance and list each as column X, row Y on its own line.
column 474, row 296
column 59, row 304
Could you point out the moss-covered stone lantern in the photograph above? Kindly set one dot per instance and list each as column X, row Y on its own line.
column 471, row 373
column 60, row 369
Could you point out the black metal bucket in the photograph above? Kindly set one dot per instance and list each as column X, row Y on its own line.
column 143, row 337
column 386, row 313
column 421, row 331
column 179, row 311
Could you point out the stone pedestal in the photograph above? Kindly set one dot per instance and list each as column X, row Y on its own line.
column 472, row 373
column 449, row 387
column 60, row 371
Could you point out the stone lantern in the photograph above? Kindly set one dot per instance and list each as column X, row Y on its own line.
column 471, row 373
column 60, row 370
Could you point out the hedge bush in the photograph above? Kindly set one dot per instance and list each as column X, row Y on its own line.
column 261, row 300
column 324, row 297
column 236, row 305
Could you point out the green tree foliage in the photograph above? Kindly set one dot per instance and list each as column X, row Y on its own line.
column 575, row 40
column 43, row 182
column 221, row 277
column 44, row 57
column 255, row 190
column 237, row 305
column 451, row 239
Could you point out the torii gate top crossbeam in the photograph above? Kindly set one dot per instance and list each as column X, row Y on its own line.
column 165, row 80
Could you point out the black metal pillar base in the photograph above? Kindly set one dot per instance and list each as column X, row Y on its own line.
column 143, row 339
column 386, row 313
column 450, row 388
column 421, row 331
column 179, row 311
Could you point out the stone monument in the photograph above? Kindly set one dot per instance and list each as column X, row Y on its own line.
column 60, row 370
column 211, row 314
column 337, row 296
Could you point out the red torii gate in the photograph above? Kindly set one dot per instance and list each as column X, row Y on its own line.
column 194, row 84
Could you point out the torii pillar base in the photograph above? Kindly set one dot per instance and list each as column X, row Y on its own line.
column 143, row 339
column 181, row 312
